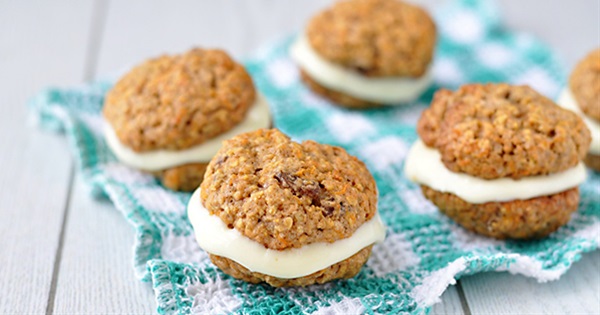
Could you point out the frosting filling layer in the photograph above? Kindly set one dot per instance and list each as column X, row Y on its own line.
column 424, row 166
column 257, row 117
column 216, row 238
column 567, row 101
column 389, row 90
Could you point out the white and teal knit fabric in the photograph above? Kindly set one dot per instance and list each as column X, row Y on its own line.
column 423, row 252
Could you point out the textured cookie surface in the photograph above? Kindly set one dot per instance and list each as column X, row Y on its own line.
column 375, row 37
column 175, row 102
column 185, row 177
column 593, row 161
column 519, row 219
column 335, row 96
column 285, row 194
column 585, row 84
column 497, row 130
column 344, row 269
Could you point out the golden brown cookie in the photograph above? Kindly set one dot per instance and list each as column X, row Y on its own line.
column 584, row 83
column 184, row 177
column 518, row 219
column 285, row 195
column 363, row 40
column 376, row 38
column 344, row 269
column 337, row 97
column 173, row 103
column 176, row 102
column 498, row 130
column 593, row 161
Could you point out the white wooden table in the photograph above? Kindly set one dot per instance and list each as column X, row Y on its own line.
column 55, row 257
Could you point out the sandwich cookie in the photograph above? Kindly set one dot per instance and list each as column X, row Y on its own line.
column 500, row 160
column 169, row 115
column 286, row 213
column 367, row 53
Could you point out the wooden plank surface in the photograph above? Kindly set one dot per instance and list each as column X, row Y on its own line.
column 576, row 292
column 572, row 31
column 36, row 49
column 140, row 29
column 45, row 43
column 96, row 274
column 450, row 303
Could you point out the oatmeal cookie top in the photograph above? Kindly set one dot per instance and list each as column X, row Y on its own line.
column 375, row 37
column 176, row 102
column 285, row 194
column 498, row 130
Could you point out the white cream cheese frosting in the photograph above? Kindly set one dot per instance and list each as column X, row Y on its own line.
column 391, row 90
column 214, row 237
column 424, row 166
column 567, row 101
column 258, row 117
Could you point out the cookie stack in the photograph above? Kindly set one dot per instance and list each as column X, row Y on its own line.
column 286, row 213
column 169, row 115
column 367, row 53
column 500, row 160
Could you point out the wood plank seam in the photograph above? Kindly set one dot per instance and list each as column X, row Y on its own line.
column 462, row 298
column 97, row 25
column 61, row 238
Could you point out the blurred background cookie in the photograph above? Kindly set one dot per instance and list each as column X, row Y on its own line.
column 582, row 95
column 500, row 160
column 169, row 115
column 365, row 53
column 286, row 213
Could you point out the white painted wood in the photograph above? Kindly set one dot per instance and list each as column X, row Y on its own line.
column 571, row 29
column 450, row 303
column 96, row 274
column 43, row 43
column 577, row 292
column 36, row 49
column 141, row 29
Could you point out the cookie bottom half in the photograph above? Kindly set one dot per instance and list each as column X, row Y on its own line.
column 335, row 96
column 518, row 219
column 593, row 161
column 184, row 177
column 344, row 269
